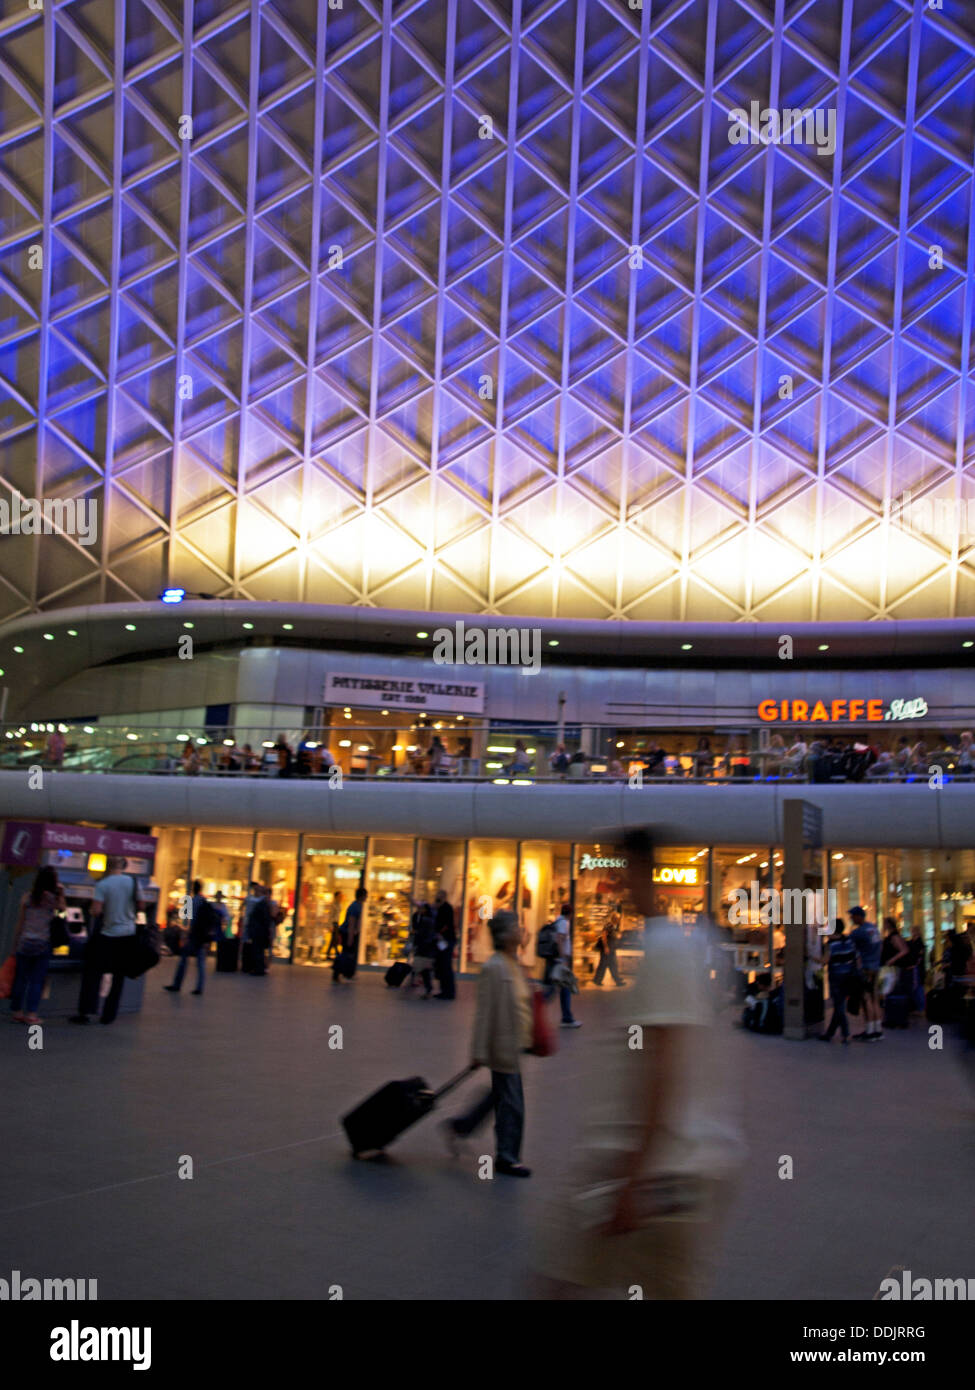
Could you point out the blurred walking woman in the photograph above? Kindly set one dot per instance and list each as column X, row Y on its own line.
column 32, row 943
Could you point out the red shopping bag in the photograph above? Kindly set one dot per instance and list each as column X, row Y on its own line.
column 7, row 972
column 543, row 1034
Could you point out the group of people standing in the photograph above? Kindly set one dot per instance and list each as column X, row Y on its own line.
column 867, row 967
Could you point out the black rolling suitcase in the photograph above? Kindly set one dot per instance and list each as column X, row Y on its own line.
column 382, row 1118
column 228, row 953
column 397, row 973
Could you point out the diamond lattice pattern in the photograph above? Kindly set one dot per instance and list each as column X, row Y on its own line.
column 473, row 304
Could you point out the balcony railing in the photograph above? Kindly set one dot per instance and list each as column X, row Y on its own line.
column 369, row 753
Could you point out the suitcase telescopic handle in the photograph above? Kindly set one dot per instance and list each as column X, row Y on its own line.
column 455, row 1080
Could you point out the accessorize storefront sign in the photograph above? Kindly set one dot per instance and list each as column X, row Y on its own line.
column 594, row 861
column 374, row 692
column 839, row 711
column 24, row 841
column 677, row 873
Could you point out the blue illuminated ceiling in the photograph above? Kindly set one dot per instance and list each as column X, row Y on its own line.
column 475, row 306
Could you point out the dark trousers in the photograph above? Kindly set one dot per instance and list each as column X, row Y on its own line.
column 445, row 972
column 29, row 982
column 838, row 995
column 507, row 1100
column 104, row 955
column 192, row 951
column 565, row 994
column 607, row 961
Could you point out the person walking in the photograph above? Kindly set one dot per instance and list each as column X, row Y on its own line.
column 606, row 946
column 203, row 923
column 652, row 1173
column 32, row 943
column 335, row 938
column 112, row 938
column 346, row 960
column 841, row 966
column 502, row 1032
column 446, row 944
column 556, row 965
column 869, row 947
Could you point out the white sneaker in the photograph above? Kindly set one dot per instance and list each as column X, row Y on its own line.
column 571, row 1023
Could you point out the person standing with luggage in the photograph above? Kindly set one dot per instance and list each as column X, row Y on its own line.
column 111, row 941
column 346, row 960
column 32, row 943
column 261, row 929
column 203, row 922
column 424, row 932
column 841, row 966
column 502, row 1032
column 555, row 965
column 869, row 947
column 606, row 946
column 446, row 943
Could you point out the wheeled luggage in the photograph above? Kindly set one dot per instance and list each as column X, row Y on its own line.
column 396, row 1106
column 345, row 964
column 397, row 973
column 228, row 953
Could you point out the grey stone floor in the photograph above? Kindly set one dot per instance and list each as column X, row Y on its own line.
column 243, row 1082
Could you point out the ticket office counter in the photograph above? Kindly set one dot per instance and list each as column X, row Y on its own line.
column 78, row 873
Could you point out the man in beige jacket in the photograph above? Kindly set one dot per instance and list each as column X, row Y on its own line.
column 502, row 1032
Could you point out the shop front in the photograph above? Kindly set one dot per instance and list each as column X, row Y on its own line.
column 313, row 878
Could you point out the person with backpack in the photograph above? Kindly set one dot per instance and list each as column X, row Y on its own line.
column 556, row 938
column 842, row 967
column 205, row 922
column 112, row 941
column 32, row 943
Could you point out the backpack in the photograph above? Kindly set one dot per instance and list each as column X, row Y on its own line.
column 209, row 921
column 547, row 946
